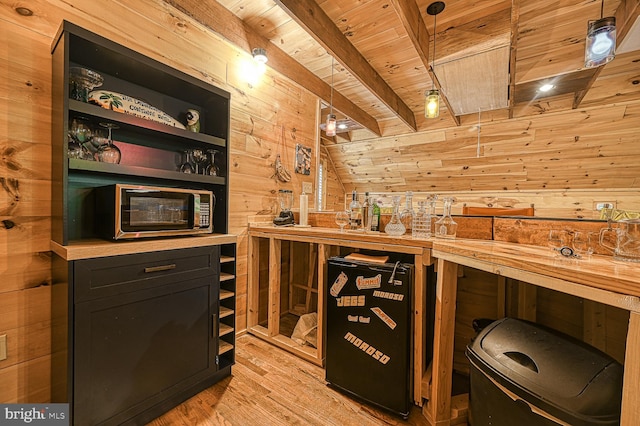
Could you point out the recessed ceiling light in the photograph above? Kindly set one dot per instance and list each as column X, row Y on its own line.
column 546, row 87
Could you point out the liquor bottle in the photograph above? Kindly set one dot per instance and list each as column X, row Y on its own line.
column 375, row 219
column 355, row 208
column 366, row 212
column 407, row 214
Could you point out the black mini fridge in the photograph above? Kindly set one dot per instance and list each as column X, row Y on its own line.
column 368, row 331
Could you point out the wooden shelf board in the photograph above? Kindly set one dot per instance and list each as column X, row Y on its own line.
column 225, row 294
column 225, row 312
column 224, row 347
column 227, row 259
column 225, row 276
column 225, row 329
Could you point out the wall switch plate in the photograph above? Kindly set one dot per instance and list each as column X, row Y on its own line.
column 3, row 347
column 599, row 205
column 307, row 187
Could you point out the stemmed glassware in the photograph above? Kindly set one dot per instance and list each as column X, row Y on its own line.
column 583, row 243
column 78, row 136
column 108, row 153
column 199, row 157
column 342, row 219
column 186, row 166
column 212, row 168
column 557, row 239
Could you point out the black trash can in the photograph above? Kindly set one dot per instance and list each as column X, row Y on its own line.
column 525, row 374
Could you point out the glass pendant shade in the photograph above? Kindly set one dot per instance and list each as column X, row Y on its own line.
column 432, row 104
column 330, row 128
column 601, row 42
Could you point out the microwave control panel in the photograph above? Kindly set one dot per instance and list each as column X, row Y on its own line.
column 205, row 215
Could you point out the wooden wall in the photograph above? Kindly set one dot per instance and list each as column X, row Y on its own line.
column 561, row 162
column 270, row 117
column 585, row 150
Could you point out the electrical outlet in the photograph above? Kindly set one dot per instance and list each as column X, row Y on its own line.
column 599, row 205
column 307, row 187
column 3, row 347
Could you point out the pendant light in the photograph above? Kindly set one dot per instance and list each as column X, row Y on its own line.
column 330, row 128
column 600, row 47
column 432, row 97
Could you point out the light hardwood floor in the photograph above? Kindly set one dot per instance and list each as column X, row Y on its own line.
column 269, row 386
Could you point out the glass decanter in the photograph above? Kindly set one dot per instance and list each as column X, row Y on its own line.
column 407, row 214
column 446, row 227
column 421, row 222
column 395, row 226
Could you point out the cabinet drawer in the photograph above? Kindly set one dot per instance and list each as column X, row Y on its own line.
column 107, row 276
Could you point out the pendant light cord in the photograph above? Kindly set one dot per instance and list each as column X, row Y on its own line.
column 331, row 96
column 433, row 57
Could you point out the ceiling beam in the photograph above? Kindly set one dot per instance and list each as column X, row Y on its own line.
column 213, row 15
column 409, row 14
column 626, row 14
column 312, row 18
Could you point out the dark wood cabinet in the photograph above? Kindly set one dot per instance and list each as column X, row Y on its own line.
column 143, row 332
column 136, row 332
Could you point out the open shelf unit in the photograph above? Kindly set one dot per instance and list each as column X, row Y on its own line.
column 226, row 314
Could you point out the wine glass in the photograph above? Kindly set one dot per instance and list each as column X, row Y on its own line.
column 342, row 219
column 583, row 243
column 109, row 153
column 79, row 136
column 200, row 159
column 557, row 239
column 186, row 166
column 212, row 169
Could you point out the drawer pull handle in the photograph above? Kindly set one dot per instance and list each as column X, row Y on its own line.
column 160, row 268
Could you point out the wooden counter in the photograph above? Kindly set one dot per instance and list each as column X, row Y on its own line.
column 326, row 239
column 598, row 278
column 87, row 249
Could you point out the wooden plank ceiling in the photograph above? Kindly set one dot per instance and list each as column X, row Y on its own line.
column 383, row 52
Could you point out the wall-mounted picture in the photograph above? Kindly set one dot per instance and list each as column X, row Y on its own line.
column 303, row 159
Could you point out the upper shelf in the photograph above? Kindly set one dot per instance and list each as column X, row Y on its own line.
column 152, row 128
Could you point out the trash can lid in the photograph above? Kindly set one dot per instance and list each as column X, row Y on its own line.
column 540, row 362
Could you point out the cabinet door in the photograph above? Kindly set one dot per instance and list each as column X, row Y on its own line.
column 136, row 349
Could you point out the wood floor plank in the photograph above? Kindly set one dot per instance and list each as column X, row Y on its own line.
column 271, row 387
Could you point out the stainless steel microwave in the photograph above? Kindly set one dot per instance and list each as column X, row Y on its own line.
column 135, row 211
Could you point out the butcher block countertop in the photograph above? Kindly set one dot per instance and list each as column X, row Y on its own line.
column 89, row 249
column 334, row 233
column 503, row 258
column 601, row 272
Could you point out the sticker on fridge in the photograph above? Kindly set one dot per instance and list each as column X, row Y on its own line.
column 384, row 317
column 338, row 284
column 368, row 283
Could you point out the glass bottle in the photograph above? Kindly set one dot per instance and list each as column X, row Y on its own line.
column 431, row 211
column 446, row 227
column 355, row 209
column 407, row 214
column 366, row 212
column 375, row 218
column 421, row 222
column 395, row 226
